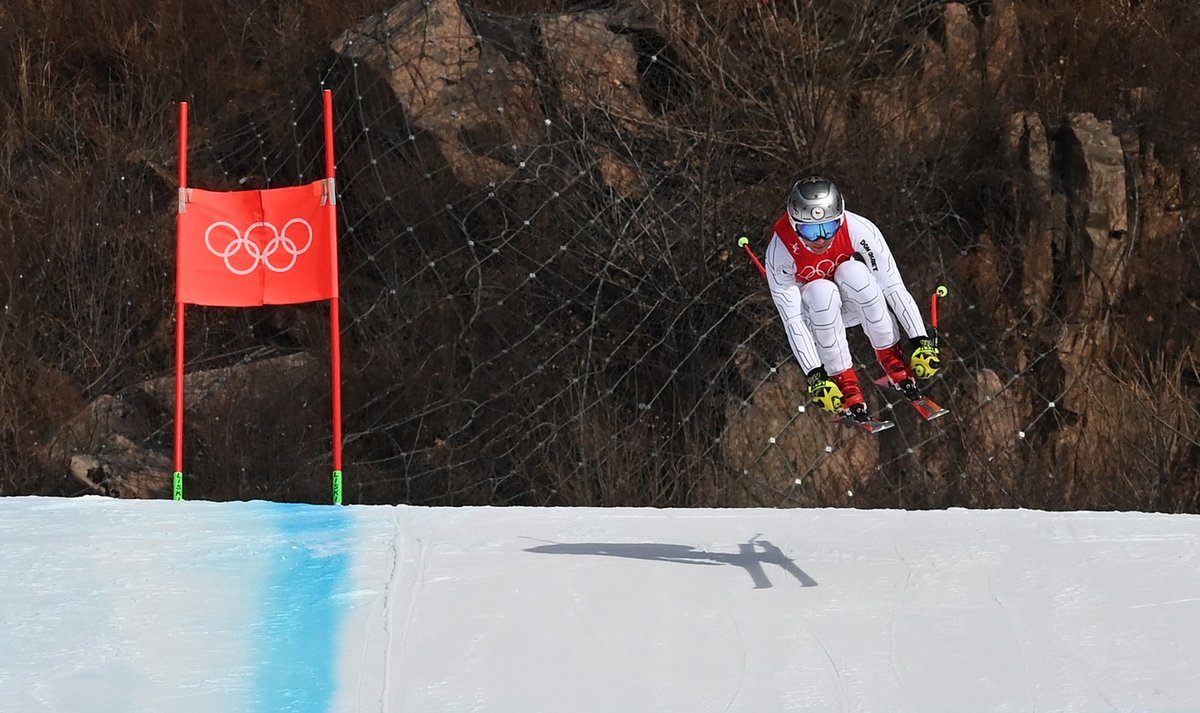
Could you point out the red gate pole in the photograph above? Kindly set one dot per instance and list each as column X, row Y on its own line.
column 177, row 478
column 334, row 322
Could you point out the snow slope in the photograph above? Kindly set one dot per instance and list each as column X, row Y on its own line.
column 128, row 606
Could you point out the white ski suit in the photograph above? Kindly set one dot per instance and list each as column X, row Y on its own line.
column 854, row 282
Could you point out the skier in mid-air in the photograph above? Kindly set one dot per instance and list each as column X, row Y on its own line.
column 829, row 269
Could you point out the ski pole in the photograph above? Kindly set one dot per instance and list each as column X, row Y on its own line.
column 744, row 243
column 941, row 291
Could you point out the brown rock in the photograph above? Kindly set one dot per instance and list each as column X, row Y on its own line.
column 1001, row 47
column 449, row 80
column 122, row 469
column 595, row 68
column 1095, row 179
column 211, row 388
column 100, row 447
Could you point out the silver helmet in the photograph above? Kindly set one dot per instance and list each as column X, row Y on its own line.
column 815, row 200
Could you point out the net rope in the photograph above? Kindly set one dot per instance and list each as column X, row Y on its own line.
column 550, row 307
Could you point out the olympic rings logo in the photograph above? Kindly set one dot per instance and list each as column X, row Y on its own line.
column 822, row 269
column 280, row 241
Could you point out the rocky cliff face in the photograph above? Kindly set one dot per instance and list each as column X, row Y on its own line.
column 539, row 209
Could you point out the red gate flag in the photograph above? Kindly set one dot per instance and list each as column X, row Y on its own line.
column 249, row 248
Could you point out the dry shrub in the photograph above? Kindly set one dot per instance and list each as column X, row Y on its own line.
column 1145, row 422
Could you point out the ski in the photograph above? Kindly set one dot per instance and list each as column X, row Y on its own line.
column 864, row 422
column 927, row 407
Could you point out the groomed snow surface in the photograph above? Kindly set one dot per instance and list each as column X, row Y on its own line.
column 165, row 607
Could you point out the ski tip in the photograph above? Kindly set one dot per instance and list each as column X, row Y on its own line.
column 928, row 408
column 925, row 406
column 938, row 413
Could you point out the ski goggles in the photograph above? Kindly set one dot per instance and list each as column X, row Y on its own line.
column 818, row 231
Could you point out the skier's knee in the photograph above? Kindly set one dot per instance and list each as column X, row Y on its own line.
column 822, row 296
column 854, row 276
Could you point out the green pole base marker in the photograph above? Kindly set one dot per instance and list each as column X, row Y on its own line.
column 177, row 486
column 337, row 487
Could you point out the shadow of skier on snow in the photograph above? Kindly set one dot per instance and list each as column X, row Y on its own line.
column 751, row 556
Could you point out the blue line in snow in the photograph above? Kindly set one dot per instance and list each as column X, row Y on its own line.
column 298, row 630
